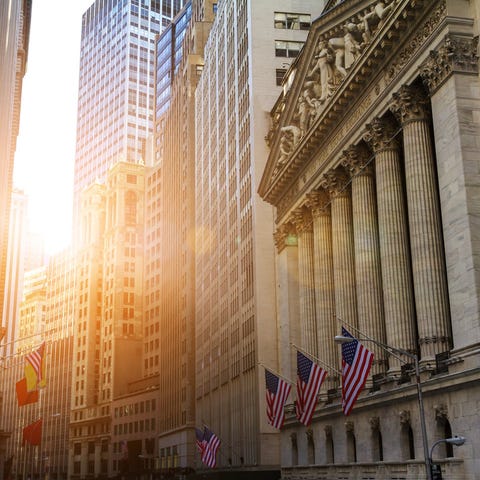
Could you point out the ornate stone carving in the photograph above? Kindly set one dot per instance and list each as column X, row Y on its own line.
column 285, row 236
column 336, row 52
column 356, row 160
column 424, row 32
column 319, row 202
column 290, row 135
column 336, row 182
column 302, row 219
column 381, row 134
column 456, row 54
column 410, row 104
column 374, row 423
column 404, row 417
column 441, row 412
column 335, row 115
column 349, row 426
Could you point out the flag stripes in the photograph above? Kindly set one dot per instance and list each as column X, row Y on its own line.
column 356, row 363
column 310, row 377
column 277, row 392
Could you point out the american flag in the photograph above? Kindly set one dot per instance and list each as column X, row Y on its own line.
column 200, row 438
column 211, row 444
column 35, row 360
column 356, row 363
column 309, row 379
column 277, row 393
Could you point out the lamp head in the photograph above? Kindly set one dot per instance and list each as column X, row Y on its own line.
column 456, row 440
column 341, row 339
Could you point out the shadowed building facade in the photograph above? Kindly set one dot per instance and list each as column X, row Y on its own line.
column 249, row 47
column 375, row 185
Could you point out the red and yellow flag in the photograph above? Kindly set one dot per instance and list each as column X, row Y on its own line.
column 34, row 369
column 24, row 397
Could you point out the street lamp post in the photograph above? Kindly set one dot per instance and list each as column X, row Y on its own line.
column 451, row 441
column 396, row 352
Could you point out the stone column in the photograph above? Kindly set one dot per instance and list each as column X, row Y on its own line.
column 433, row 318
column 319, row 203
column 393, row 235
column 451, row 75
column 287, row 298
column 368, row 275
column 336, row 183
column 302, row 220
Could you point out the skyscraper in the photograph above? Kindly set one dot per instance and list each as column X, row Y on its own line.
column 250, row 44
column 169, row 341
column 14, row 32
column 15, row 269
column 115, row 101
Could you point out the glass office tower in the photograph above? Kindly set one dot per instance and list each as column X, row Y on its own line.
column 115, row 103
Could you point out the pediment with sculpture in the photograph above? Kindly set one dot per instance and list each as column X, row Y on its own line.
column 335, row 52
column 346, row 48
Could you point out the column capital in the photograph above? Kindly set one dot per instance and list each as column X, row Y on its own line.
column 380, row 134
column 285, row 236
column 336, row 183
column 302, row 219
column 319, row 203
column 410, row 104
column 454, row 55
column 355, row 160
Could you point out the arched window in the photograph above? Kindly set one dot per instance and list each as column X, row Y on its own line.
column 310, row 448
column 351, row 443
column 377, row 442
column 130, row 208
column 329, row 445
column 443, row 430
column 407, row 442
column 293, row 437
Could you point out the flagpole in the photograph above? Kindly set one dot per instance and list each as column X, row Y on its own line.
column 228, row 444
column 390, row 350
column 301, row 350
column 275, row 373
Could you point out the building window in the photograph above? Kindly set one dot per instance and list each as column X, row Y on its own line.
column 279, row 74
column 287, row 49
column 130, row 208
column 292, row 21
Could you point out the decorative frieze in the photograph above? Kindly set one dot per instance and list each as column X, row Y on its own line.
column 455, row 54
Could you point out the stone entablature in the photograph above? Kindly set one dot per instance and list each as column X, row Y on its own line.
column 311, row 149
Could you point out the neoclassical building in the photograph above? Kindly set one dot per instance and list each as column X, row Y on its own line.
column 374, row 174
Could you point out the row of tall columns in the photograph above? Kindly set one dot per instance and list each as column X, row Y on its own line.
column 366, row 249
column 368, row 258
column 393, row 237
column 308, row 333
column 323, row 272
column 426, row 243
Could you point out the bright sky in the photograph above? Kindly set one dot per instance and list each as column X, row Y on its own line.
column 46, row 144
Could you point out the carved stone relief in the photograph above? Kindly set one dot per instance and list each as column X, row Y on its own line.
column 334, row 57
column 454, row 55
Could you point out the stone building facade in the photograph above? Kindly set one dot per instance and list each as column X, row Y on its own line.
column 373, row 172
